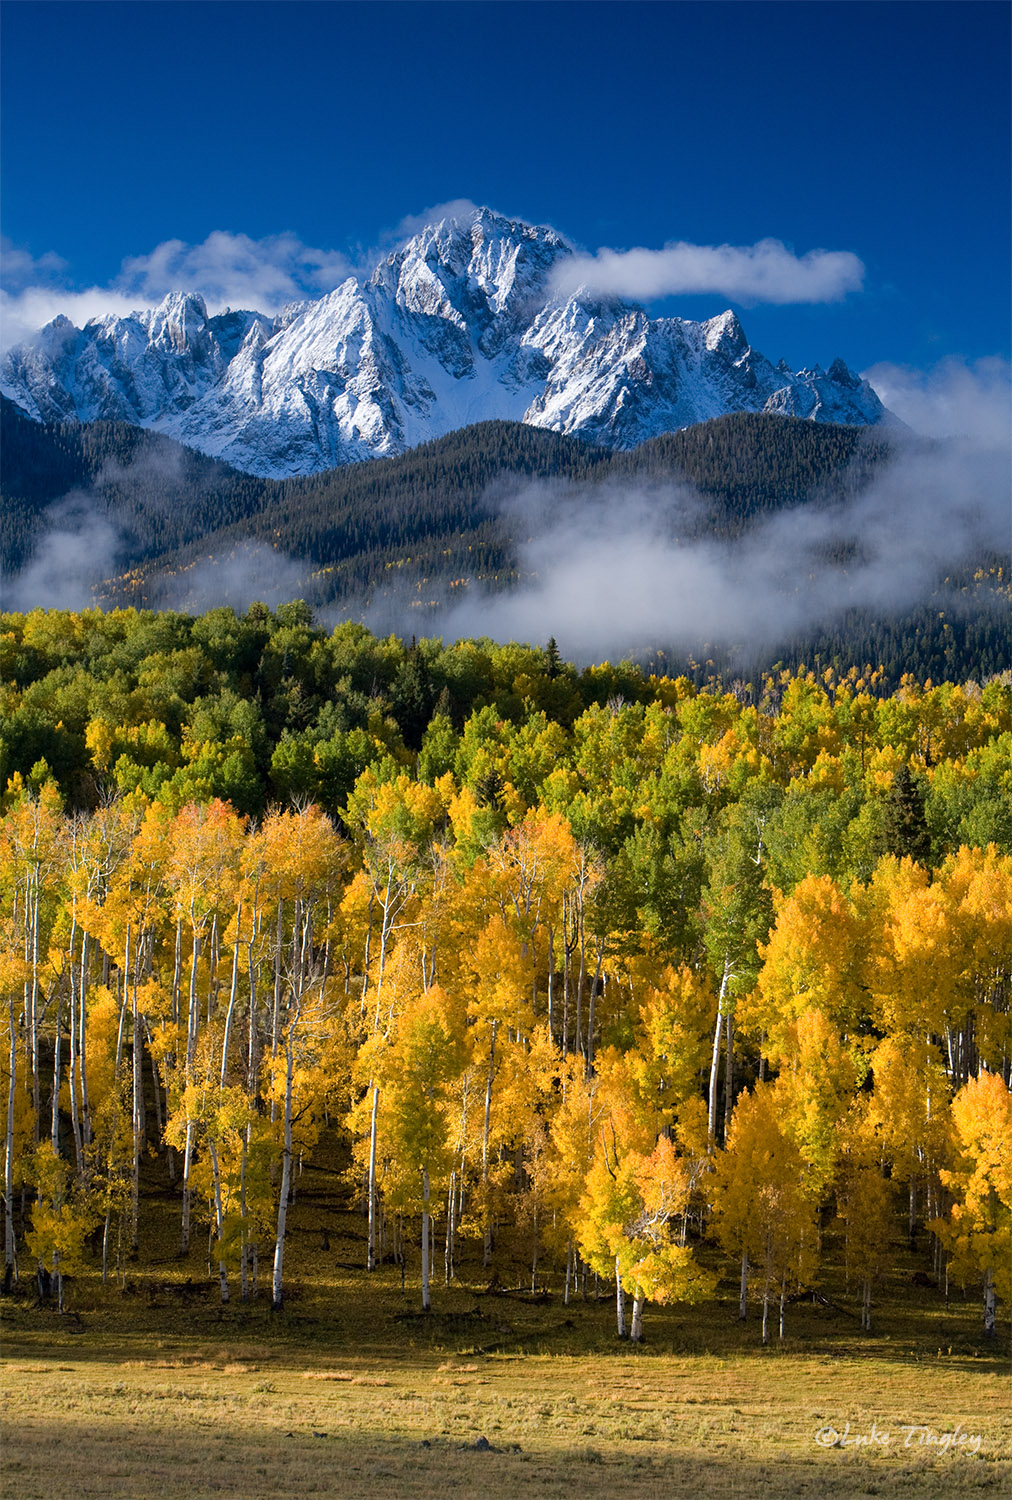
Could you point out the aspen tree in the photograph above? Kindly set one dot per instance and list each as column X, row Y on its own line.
column 202, row 871
column 764, row 1207
column 624, row 1219
column 418, row 1067
column 979, row 1227
column 59, row 1223
column 865, row 1203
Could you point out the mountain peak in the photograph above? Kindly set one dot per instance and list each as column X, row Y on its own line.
column 726, row 333
column 459, row 324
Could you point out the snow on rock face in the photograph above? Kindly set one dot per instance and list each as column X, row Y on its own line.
column 456, row 326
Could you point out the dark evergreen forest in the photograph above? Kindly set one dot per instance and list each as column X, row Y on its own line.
column 435, row 518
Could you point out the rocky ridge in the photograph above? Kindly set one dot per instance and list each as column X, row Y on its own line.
column 457, row 326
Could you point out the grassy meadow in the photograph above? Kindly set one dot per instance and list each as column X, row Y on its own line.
column 153, row 1388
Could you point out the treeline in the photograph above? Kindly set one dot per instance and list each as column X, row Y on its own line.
column 267, row 707
column 431, row 524
column 156, row 493
column 164, row 496
column 578, row 984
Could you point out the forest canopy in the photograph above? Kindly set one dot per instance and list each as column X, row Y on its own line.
column 587, row 968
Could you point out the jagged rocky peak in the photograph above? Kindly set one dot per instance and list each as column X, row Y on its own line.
column 460, row 324
column 472, row 268
column 725, row 333
column 178, row 321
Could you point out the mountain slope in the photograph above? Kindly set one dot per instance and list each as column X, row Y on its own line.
column 458, row 326
column 434, row 513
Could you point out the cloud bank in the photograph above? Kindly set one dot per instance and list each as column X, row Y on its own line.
column 77, row 549
column 954, row 399
column 234, row 270
column 764, row 272
column 608, row 575
column 621, row 569
column 229, row 270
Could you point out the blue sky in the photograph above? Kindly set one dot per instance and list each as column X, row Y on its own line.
column 881, row 129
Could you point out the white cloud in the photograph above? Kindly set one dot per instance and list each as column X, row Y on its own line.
column 24, row 313
column 764, row 272
column 955, row 398
column 453, row 208
column 233, row 270
column 606, row 575
column 228, row 270
column 20, row 268
column 76, row 550
column 251, row 571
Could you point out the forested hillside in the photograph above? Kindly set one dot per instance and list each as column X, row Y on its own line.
column 438, row 522
column 175, row 505
column 576, row 969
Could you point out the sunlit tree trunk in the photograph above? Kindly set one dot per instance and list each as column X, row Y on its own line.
column 286, row 1176
column 487, row 1240
column 715, row 1055
column 371, row 1186
column 426, row 1292
column 219, row 1219
column 12, row 1059
column 636, row 1329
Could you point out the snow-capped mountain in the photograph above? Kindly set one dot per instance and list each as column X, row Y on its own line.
column 458, row 326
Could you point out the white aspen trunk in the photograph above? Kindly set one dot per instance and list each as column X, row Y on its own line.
column 138, row 1113
column 426, row 1292
column 783, row 1301
column 590, row 1015
column 244, row 1249
column 990, row 1312
column 184, row 1239
column 276, row 1010
column 191, row 1043
column 233, row 992
column 715, row 1056
column 619, row 1301
column 534, row 1260
column 743, row 1289
column 580, row 978
column 487, row 1239
column 54, row 1131
column 286, row 1177
column 251, row 1047
column 12, row 1057
column 82, row 1054
column 365, row 955
column 565, row 980
column 75, row 1115
column 636, row 1330
column 370, row 1262
column 177, row 970
column 728, row 1071
column 766, row 1311
column 219, row 1218
column 448, row 1253
column 33, row 1032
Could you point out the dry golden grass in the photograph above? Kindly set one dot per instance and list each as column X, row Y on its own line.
column 351, row 1393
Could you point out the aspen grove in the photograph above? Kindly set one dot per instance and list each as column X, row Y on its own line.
column 604, row 972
